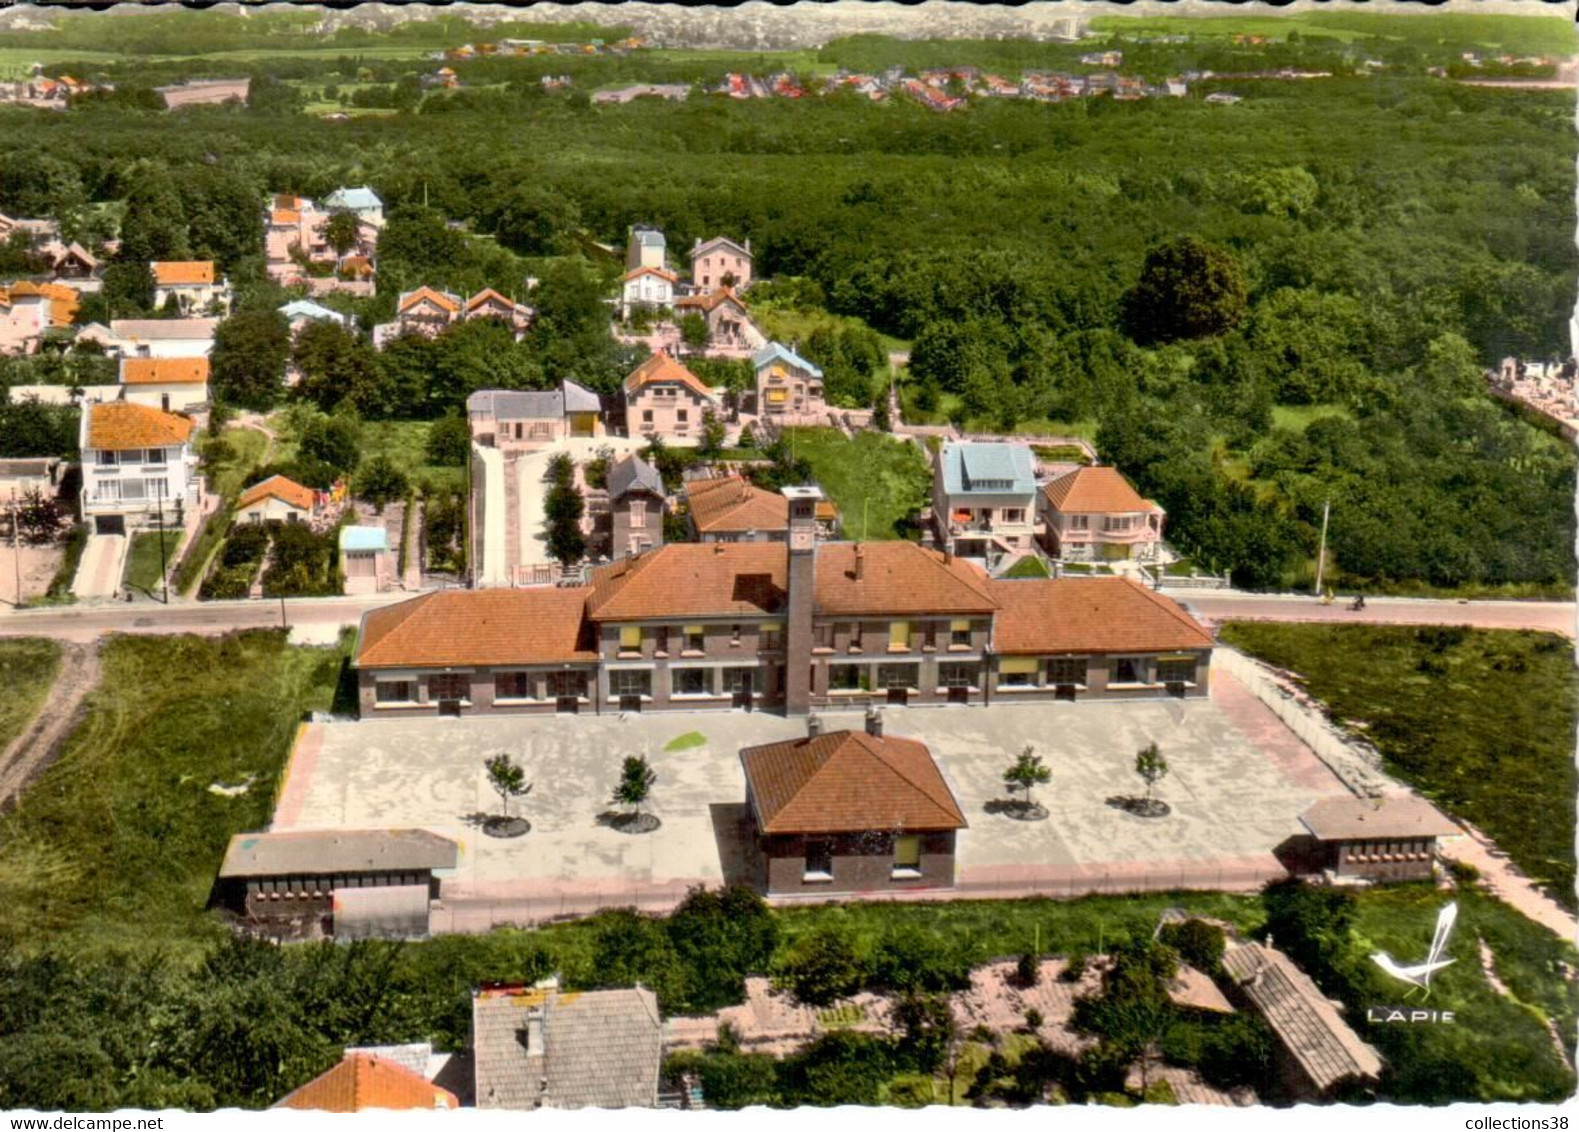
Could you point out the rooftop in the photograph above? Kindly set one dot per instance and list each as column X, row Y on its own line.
column 277, row 487
column 988, row 469
column 357, row 199
column 115, row 426
column 154, row 329
column 1099, row 490
column 336, row 851
column 662, row 368
column 633, row 473
column 164, row 371
column 778, row 352
column 897, row 578
column 466, row 627
column 1392, row 816
column 1054, row 615
column 733, row 504
column 364, row 1081
column 692, row 579
column 173, row 273
column 364, row 538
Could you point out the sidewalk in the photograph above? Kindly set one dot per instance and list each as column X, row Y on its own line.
column 99, row 572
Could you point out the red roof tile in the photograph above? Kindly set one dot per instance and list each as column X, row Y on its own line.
column 1090, row 615
column 115, row 426
column 897, row 577
column 660, row 368
column 183, row 272
column 164, row 371
column 731, row 503
column 693, row 580
column 277, row 487
column 456, row 628
column 1095, row 491
column 365, row 1081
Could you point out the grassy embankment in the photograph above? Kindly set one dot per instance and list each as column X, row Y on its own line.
column 876, row 481
column 27, row 669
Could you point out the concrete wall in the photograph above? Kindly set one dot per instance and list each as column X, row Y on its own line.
column 482, row 698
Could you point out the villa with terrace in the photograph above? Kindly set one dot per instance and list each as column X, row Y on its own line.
column 984, row 499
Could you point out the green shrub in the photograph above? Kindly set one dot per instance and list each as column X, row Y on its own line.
column 822, row 967
column 1197, row 942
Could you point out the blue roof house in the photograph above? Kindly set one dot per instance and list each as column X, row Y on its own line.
column 789, row 388
column 366, row 560
column 362, row 200
column 984, row 499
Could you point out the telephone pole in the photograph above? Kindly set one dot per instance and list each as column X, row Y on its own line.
column 1321, row 555
column 16, row 548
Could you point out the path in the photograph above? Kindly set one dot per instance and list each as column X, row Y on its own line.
column 36, row 747
column 1488, row 966
column 103, row 561
column 1502, row 879
column 1229, row 605
column 87, row 622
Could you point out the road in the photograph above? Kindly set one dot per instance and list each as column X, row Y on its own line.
column 84, row 622
column 1214, row 606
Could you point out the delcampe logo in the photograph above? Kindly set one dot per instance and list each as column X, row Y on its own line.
column 1418, row 975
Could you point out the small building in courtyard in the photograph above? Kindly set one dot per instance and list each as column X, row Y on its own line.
column 1381, row 839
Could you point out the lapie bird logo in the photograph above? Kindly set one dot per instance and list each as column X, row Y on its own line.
column 1418, row 975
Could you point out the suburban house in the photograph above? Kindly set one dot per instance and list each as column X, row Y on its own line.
column 158, row 337
column 193, row 284
column 76, row 266
column 364, row 1081
column 984, row 498
column 647, row 288
column 636, row 507
column 646, row 248
column 165, row 383
column 295, row 240
column 762, row 624
column 663, row 397
column 1377, row 839
column 22, row 476
column 430, row 312
column 277, row 500
column 138, row 464
column 733, row 509
column 300, row 313
column 366, row 560
column 339, row 882
column 362, row 200
column 540, row 1047
column 29, row 310
column 488, row 303
column 849, row 812
column 1094, row 515
column 730, row 330
column 788, row 386
column 522, row 420
column 720, row 262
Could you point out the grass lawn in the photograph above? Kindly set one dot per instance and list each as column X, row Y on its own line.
column 1028, row 567
column 119, row 841
column 787, row 325
column 1480, row 721
column 144, row 558
column 27, row 669
column 248, row 449
column 877, row 482
column 1299, row 417
column 404, row 442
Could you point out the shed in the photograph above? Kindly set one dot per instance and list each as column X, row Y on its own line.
column 1389, row 838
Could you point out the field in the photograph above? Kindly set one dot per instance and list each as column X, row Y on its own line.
column 403, row 442
column 27, row 669
column 1481, row 722
column 143, row 562
column 1516, row 34
column 876, row 482
column 129, row 826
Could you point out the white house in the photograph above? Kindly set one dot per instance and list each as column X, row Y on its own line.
column 165, row 383
column 276, row 500
column 193, row 284
column 649, row 287
column 362, row 200
column 299, row 312
column 137, row 463
column 157, row 337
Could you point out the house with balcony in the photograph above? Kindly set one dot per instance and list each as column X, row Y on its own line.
column 1094, row 515
column 730, row 331
column 429, row 312
column 361, row 200
column 194, row 285
column 138, row 466
column 984, row 499
column 29, row 310
column 720, row 263
column 664, row 398
column 788, row 386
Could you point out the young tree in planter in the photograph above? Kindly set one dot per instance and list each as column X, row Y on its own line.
column 508, row 779
column 1028, row 771
column 1151, row 767
column 636, row 779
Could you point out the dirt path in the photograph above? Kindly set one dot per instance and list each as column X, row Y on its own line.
column 1488, row 965
column 1500, row 877
column 32, row 751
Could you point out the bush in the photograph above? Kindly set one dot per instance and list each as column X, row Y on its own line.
column 449, row 441
column 1198, row 943
column 380, row 482
column 822, row 967
column 841, row 1067
column 301, row 564
column 335, row 441
column 247, row 543
column 76, row 543
column 908, row 958
column 721, row 936
column 1033, row 1019
column 1027, row 971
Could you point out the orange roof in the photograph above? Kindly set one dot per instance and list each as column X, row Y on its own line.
column 745, row 579
column 180, row 272
column 278, row 487
column 1095, row 491
column 467, row 627
column 438, row 298
column 117, row 425
column 487, row 295
column 1090, row 615
column 63, row 300
column 366, row 1081
column 710, row 300
column 285, row 216
column 660, row 272
column 730, row 503
column 897, row 578
column 287, row 200
column 660, row 368
column 164, row 371
column 848, row 782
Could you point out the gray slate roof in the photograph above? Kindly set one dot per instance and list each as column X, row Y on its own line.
column 517, row 405
column 336, row 851
column 1306, row 1023
column 580, row 399
column 988, row 469
column 598, row 1048
column 1394, row 816
column 634, row 473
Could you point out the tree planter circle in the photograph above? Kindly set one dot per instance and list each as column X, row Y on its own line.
column 630, row 823
column 1141, row 807
column 1018, row 810
column 506, row 827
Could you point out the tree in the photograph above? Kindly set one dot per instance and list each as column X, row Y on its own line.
column 882, row 416
column 1187, row 289
column 1028, row 771
column 336, row 440
column 449, row 441
column 508, row 779
column 636, row 782
column 822, row 967
column 337, row 366
column 248, row 361
column 927, row 1025
column 1151, row 767
column 380, row 482
column 342, row 230
column 563, row 508
column 40, row 518
column 713, row 434
column 693, row 331
column 721, row 935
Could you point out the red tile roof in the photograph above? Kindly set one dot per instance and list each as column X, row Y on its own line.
column 661, row 368
column 183, row 272
column 164, row 371
column 441, row 299
column 897, row 577
column 650, row 270
column 693, row 580
column 1090, row 615
column 1095, row 491
column 848, row 782
column 277, row 487
column 115, row 426
column 453, row 628
column 732, row 504
column 365, row 1081
column 710, row 300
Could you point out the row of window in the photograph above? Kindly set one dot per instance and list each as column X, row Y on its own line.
column 1415, row 849
column 693, row 638
column 108, row 459
column 1006, row 514
column 132, row 490
column 906, row 862
column 506, row 686
column 1113, row 524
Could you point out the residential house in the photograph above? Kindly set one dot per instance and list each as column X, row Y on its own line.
column 1392, row 838
column 299, row 312
column 636, row 507
column 1094, row 515
column 362, row 200
column 77, row 267
column 366, row 560
column 664, row 398
column 646, row 247
column 538, row 1047
column 788, row 386
column 165, row 383
column 488, row 303
column 157, row 337
column 429, row 312
column 730, row 331
column 21, row 477
column 362, row 1081
column 762, row 624
column 523, row 420
column 204, row 92
column 277, row 499
column 720, row 262
column 848, row 812
column 28, row 311
column 984, row 498
column 38, row 231
column 732, row 509
column 193, row 285
column 348, row 883
column 647, row 288
column 138, row 466
column 296, row 240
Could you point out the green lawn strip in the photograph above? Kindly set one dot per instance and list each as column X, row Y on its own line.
column 118, row 843
column 792, row 324
column 144, row 560
column 875, row 480
column 1028, row 567
column 27, row 670
column 1480, row 721
column 687, row 741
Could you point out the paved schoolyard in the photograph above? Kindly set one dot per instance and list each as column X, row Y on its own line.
column 1238, row 781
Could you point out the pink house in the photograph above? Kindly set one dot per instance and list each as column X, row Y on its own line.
column 294, row 239
column 1094, row 515
column 720, row 262
column 730, row 331
column 429, row 311
column 664, row 398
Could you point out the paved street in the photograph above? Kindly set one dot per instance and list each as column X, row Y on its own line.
column 1213, row 606
column 87, row 621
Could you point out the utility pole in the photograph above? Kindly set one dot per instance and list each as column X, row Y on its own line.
column 164, row 569
column 16, row 548
column 1321, row 555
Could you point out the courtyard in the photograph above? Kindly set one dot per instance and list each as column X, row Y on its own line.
column 1237, row 783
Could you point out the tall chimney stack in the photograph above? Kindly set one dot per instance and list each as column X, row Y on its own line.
column 874, row 723
column 860, row 562
column 802, row 501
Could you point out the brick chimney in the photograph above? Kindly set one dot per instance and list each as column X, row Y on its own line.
column 860, row 562
column 874, row 723
column 813, row 725
column 801, row 602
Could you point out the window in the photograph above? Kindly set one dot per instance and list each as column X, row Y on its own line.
column 959, row 632
column 1014, row 514
column 395, row 692
column 1018, row 671
column 1176, row 671
column 681, row 415
column 770, row 631
column 929, row 635
column 1080, row 522
column 907, row 855
column 1118, row 524
column 449, row 686
column 734, row 634
column 899, row 634
column 822, row 637
column 898, row 675
column 1129, row 670
column 693, row 681
column 638, row 516
column 695, row 638
column 1066, row 670
column 630, row 638
column 512, row 686
column 155, row 457
column 131, row 456
column 738, row 679
column 646, row 416
column 844, row 678
column 134, row 489
column 564, row 685
column 819, row 860
column 956, row 675
column 630, row 682
column 105, row 459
